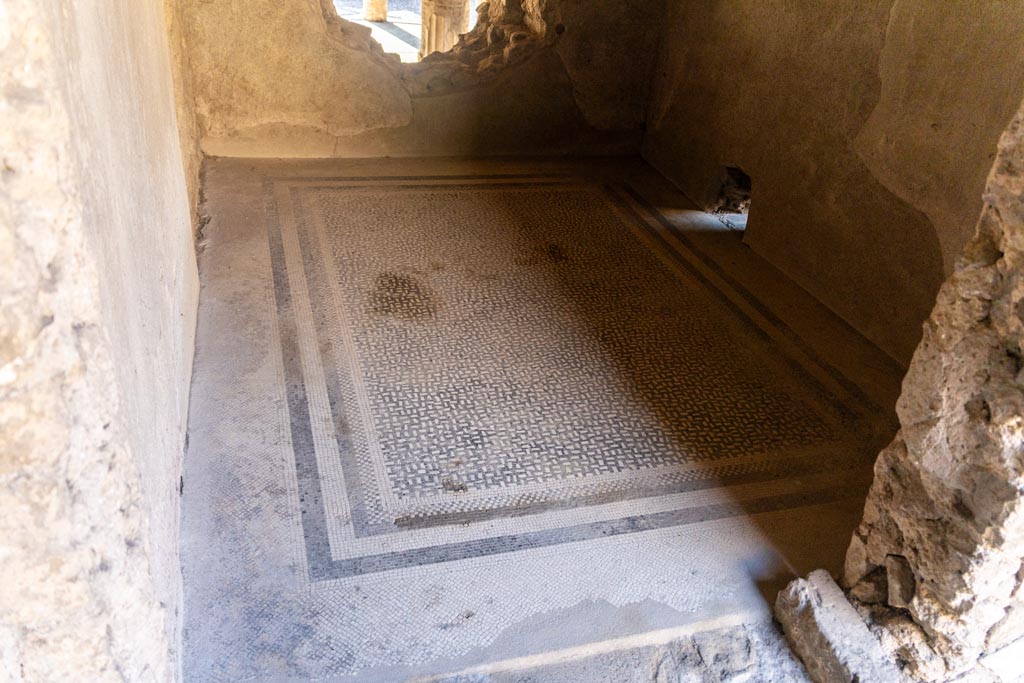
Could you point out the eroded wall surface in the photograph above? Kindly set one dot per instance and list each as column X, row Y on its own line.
column 939, row 552
column 289, row 78
column 867, row 127
column 98, row 296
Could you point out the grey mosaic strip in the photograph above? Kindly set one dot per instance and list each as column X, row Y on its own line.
column 378, row 180
column 808, row 466
column 311, row 507
column 322, row 568
column 869, row 405
column 341, row 415
column 461, row 510
column 850, row 412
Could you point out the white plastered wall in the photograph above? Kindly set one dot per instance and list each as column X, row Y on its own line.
column 99, row 295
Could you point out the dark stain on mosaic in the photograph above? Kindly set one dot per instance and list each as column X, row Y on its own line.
column 545, row 254
column 402, row 296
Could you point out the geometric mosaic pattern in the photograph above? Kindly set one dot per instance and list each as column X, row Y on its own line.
column 494, row 364
column 445, row 422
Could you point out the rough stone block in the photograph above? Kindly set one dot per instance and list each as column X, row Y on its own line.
column 943, row 518
column 828, row 634
column 900, row 580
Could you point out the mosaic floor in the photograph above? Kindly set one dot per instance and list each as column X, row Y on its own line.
column 447, row 417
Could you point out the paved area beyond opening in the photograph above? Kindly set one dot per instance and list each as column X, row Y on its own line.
column 460, row 420
column 401, row 34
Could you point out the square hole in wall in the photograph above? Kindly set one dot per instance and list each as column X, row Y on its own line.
column 733, row 204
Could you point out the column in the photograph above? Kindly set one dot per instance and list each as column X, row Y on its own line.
column 443, row 21
column 375, row 10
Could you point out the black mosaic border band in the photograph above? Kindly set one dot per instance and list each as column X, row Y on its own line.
column 842, row 380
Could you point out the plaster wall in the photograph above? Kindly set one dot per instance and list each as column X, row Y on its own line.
column 185, row 104
column 289, row 78
column 136, row 212
column 867, row 127
column 99, row 294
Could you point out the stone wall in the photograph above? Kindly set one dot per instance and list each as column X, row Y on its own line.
column 940, row 548
column 867, row 127
column 98, row 293
column 289, row 78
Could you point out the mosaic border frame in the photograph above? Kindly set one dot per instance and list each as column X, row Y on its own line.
column 320, row 562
